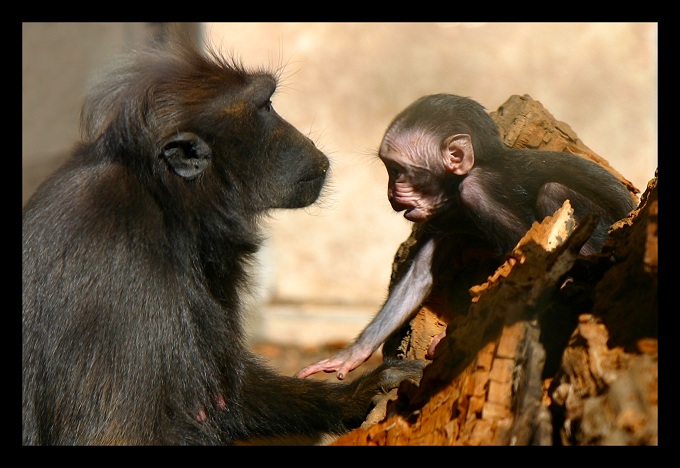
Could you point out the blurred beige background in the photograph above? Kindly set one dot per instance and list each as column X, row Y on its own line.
column 324, row 270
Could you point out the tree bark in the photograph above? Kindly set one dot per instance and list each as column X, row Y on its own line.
column 549, row 348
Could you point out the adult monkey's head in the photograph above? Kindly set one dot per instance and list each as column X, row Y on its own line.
column 201, row 126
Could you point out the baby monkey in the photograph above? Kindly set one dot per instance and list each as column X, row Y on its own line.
column 449, row 168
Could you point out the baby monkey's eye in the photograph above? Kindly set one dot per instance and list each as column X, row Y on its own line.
column 393, row 170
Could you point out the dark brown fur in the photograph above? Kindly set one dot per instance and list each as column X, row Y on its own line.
column 135, row 260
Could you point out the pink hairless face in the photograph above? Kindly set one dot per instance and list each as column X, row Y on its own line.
column 415, row 170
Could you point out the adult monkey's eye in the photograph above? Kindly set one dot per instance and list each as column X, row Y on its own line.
column 268, row 106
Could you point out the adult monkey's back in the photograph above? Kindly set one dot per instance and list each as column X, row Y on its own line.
column 135, row 258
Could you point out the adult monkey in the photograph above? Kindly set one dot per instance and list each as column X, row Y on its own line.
column 135, row 258
column 449, row 169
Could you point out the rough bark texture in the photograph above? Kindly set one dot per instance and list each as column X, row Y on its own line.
column 549, row 348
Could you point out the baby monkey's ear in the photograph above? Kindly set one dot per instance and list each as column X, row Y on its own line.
column 458, row 154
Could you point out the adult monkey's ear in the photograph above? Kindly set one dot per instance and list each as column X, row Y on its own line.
column 186, row 154
column 458, row 154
